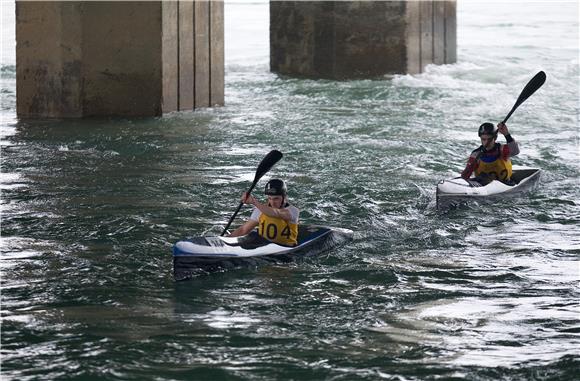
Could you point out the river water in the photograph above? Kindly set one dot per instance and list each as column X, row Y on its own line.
column 91, row 209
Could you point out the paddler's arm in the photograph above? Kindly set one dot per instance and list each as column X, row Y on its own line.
column 471, row 164
column 282, row 213
column 246, row 228
column 249, row 225
column 512, row 146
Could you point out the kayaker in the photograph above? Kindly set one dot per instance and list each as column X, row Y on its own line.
column 277, row 220
column 491, row 161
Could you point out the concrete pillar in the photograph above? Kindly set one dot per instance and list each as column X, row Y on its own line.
column 360, row 39
column 431, row 34
column 118, row 58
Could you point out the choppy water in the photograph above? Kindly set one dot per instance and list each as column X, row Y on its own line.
column 90, row 210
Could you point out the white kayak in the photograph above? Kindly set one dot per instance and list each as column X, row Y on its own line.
column 216, row 253
column 458, row 189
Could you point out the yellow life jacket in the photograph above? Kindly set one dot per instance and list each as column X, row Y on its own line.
column 278, row 230
column 496, row 168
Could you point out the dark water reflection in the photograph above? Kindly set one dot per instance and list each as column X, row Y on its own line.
column 90, row 214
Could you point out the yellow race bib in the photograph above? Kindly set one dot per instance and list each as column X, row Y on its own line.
column 278, row 230
column 498, row 169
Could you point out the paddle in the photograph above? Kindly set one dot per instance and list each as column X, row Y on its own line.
column 265, row 165
column 534, row 84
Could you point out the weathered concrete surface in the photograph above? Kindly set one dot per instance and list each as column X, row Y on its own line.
column 450, row 31
column 121, row 58
column 124, row 58
column 216, row 54
column 42, row 64
column 186, row 46
column 170, row 56
column 202, row 48
column 431, row 34
column 360, row 39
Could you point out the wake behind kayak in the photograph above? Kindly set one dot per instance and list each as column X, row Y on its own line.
column 208, row 254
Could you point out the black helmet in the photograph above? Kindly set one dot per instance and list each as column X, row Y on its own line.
column 487, row 129
column 275, row 187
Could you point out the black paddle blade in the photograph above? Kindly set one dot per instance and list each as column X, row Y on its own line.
column 534, row 84
column 267, row 163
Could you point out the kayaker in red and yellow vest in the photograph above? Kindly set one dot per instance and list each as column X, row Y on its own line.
column 277, row 220
column 491, row 161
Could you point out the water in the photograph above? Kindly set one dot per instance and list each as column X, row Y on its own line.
column 90, row 210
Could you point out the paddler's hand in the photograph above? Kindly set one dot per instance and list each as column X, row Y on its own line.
column 502, row 128
column 248, row 199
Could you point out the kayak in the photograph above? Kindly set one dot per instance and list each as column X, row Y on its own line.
column 458, row 189
column 219, row 253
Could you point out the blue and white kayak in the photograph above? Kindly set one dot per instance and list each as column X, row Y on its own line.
column 217, row 253
column 458, row 189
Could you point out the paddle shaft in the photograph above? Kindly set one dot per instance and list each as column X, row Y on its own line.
column 534, row 84
column 237, row 211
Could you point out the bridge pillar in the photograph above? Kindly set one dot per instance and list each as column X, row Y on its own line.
column 118, row 58
column 360, row 39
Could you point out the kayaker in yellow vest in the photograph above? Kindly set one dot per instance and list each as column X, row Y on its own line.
column 491, row 161
column 277, row 220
